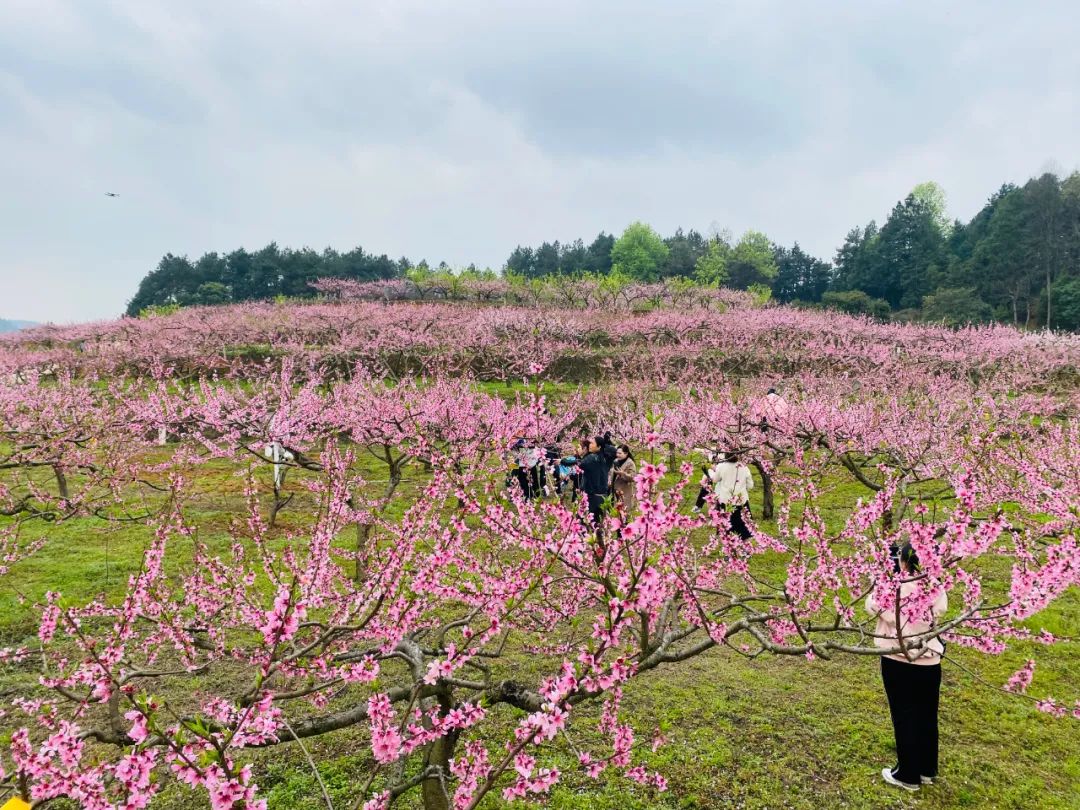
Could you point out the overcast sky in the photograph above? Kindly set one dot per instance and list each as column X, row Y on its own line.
column 457, row 130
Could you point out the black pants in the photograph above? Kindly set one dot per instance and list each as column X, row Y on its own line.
column 528, row 479
column 596, row 503
column 738, row 525
column 738, row 522
column 913, row 691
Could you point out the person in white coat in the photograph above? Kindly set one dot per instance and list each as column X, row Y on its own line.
column 732, row 482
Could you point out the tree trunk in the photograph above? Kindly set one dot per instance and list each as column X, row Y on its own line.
column 433, row 790
column 1048, row 298
column 363, row 531
column 768, row 506
column 277, row 506
column 61, row 481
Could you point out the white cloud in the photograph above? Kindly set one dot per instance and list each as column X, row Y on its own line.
column 458, row 130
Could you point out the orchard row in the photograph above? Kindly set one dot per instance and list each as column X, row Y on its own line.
column 408, row 584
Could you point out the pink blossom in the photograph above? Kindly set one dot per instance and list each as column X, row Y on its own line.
column 1021, row 679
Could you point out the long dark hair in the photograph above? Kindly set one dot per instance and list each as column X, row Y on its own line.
column 629, row 453
column 909, row 557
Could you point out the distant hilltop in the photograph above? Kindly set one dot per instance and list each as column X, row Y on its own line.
column 1013, row 262
column 14, row 326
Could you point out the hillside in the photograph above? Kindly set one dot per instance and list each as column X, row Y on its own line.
column 722, row 333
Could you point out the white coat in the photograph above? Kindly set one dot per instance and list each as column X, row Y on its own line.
column 731, row 482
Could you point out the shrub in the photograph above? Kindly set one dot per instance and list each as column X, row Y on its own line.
column 955, row 306
column 158, row 310
column 856, row 302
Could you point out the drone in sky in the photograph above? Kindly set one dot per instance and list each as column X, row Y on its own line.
column 111, row 194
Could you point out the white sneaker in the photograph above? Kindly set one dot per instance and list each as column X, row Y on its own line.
column 886, row 774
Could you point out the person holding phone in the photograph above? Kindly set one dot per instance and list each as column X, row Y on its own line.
column 912, row 678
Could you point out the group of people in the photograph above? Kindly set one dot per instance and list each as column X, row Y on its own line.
column 601, row 470
column 597, row 469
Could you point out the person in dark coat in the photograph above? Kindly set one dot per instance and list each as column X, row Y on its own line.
column 595, row 474
column 550, row 467
column 608, row 450
column 523, row 470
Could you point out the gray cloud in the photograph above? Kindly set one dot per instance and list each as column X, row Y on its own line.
column 457, row 130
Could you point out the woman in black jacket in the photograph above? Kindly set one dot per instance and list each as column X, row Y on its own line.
column 594, row 477
column 607, row 450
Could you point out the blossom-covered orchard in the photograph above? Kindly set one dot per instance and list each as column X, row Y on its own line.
column 658, row 348
column 373, row 581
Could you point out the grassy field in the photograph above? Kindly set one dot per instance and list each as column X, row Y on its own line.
column 768, row 733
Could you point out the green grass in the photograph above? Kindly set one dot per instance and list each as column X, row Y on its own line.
column 767, row 733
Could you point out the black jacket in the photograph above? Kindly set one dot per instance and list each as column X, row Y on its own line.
column 608, row 451
column 594, row 471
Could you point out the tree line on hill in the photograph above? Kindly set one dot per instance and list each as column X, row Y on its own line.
column 1016, row 261
column 238, row 276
